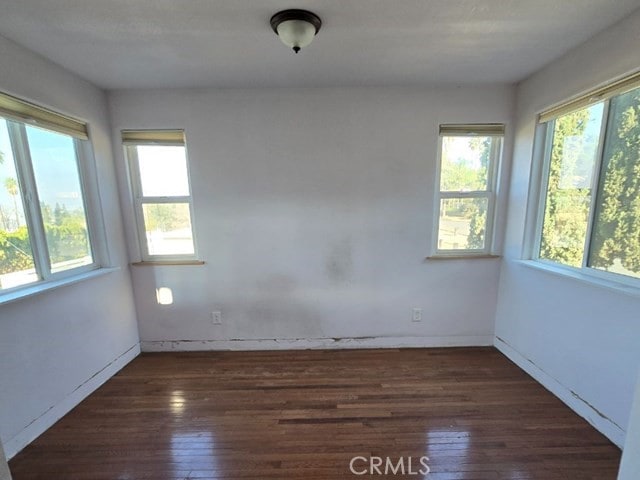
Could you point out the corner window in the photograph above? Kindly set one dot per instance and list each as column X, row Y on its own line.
column 589, row 215
column 45, row 229
column 162, row 194
column 465, row 203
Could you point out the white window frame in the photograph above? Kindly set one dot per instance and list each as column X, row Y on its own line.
column 496, row 131
column 543, row 144
column 156, row 138
column 31, row 205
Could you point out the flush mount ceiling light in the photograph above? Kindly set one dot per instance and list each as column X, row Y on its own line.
column 296, row 28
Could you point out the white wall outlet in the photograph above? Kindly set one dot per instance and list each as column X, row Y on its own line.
column 216, row 318
column 417, row 315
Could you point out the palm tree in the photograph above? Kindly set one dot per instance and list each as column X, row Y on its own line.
column 11, row 185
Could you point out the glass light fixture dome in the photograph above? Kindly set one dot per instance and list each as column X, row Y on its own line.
column 296, row 28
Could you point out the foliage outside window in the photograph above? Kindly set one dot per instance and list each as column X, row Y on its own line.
column 469, row 155
column 590, row 218
column 44, row 228
column 160, row 185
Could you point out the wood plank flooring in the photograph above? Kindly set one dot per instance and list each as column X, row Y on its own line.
column 306, row 414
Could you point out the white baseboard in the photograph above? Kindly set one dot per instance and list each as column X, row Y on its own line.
column 315, row 343
column 601, row 423
column 55, row 413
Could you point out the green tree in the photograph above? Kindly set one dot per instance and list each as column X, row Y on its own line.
column 66, row 232
column 15, row 251
column 166, row 216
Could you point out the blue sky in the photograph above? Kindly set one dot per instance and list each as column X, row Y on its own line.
column 53, row 157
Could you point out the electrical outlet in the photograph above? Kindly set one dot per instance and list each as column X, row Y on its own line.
column 216, row 318
column 417, row 315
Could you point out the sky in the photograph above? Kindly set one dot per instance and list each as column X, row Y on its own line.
column 54, row 165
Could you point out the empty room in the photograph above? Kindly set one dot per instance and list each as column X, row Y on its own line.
column 324, row 239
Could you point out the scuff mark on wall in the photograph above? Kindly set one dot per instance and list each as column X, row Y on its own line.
column 572, row 392
column 306, row 343
column 578, row 397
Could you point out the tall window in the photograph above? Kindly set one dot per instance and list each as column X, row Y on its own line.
column 469, row 157
column 162, row 195
column 45, row 231
column 589, row 217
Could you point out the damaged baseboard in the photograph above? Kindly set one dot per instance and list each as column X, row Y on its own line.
column 315, row 343
column 60, row 409
column 597, row 419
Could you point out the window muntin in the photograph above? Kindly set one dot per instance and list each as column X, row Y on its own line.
column 160, row 177
column 44, row 227
column 466, row 195
column 600, row 231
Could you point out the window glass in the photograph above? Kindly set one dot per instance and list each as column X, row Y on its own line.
column 572, row 165
column 16, row 260
column 57, row 178
column 465, row 162
column 466, row 198
column 161, row 192
column 615, row 245
column 168, row 228
column 463, row 222
column 163, row 171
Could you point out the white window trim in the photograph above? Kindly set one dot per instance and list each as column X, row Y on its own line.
column 131, row 154
column 534, row 222
column 599, row 278
column 33, row 216
column 490, row 194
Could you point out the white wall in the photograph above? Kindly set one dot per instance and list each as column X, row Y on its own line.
column 579, row 339
column 313, row 212
column 57, row 347
column 630, row 466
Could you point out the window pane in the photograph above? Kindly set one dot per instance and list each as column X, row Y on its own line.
column 16, row 259
column 163, row 171
column 571, row 169
column 57, row 179
column 168, row 228
column 463, row 222
column 616, row 232
column 465, row 163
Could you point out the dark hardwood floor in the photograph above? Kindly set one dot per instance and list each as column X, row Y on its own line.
column 306, row 414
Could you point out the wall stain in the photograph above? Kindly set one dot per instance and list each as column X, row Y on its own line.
column 339, row 261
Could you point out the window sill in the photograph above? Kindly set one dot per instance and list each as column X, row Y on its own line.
column 44, row 286
column 592, row 279
column 162, row 263
column 470, row 256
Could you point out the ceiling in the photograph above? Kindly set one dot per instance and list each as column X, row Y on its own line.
column 229, row 43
